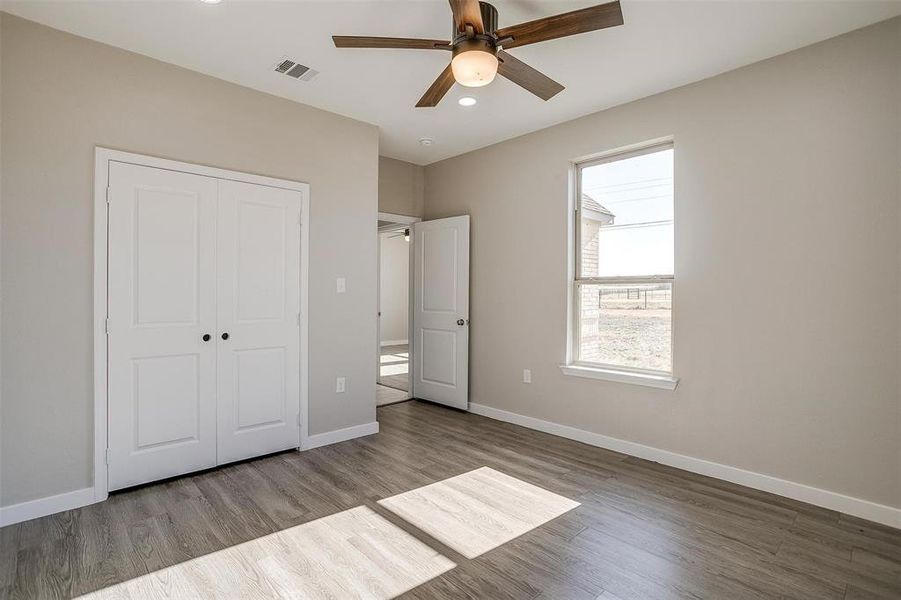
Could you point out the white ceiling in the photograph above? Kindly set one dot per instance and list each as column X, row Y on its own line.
column 663, row 44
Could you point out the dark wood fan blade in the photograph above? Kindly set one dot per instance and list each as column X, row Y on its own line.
column 467, row 12
column 571, row 23
column 526, row 77
column 355, row 41
column 437, row 90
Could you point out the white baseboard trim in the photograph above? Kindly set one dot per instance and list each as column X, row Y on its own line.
column 340, row 435
column 857, row 507
column 32, row 509
column 394, row 342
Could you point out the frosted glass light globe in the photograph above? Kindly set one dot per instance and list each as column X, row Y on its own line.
column 474, row 68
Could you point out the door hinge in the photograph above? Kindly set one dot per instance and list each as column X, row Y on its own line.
column 108, row 194
column 107, row 326
column 300, row 218
column 298, row 419
column 298, row 319
column 108, row 454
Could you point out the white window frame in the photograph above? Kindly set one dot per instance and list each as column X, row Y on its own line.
column 594, row 370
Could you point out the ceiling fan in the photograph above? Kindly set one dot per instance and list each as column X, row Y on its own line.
column 479, row 47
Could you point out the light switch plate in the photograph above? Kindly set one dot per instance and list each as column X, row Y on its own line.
column 339, row 385
column 341, row 285
column 527, row 376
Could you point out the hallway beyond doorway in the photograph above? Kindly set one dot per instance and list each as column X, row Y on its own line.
column 394, row 366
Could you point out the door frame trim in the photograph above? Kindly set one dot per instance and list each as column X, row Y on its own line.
column 102, row 159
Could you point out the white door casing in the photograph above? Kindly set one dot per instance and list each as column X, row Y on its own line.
column 259, row 310
column 441, row 311
column 162, row 301
column 394, row 219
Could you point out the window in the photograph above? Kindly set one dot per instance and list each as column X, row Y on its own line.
column 623, row 284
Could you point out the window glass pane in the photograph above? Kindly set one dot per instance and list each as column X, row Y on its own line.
column 626, row 325
column 627, row 217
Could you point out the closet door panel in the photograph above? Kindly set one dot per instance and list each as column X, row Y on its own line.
column 162, row 300
column 258, row 307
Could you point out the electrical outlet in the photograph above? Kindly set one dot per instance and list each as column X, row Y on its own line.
column 341, row 285
column 339, row 385
column 527, row 376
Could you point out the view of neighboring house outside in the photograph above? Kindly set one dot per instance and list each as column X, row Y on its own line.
column 593, row 217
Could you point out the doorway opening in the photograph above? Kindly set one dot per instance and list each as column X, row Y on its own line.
column 393, row 367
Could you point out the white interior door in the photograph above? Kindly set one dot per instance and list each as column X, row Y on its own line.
column 440, row 336
column 258, row 320
column 162, row 302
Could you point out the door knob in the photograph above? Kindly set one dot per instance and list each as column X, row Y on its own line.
column 206, row 337
column 225, row 336
column 461, row 322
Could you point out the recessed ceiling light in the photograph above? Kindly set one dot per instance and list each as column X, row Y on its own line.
column 467, row 101
column 211, row 1
column 426, row 141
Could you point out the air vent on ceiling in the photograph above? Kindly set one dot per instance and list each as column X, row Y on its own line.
column 294, row 69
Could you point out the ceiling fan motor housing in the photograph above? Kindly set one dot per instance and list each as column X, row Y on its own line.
column 489, row 17
column 485, row 42
column 482, row 43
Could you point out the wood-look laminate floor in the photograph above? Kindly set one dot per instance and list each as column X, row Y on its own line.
column 641, row 530
column 388, row 395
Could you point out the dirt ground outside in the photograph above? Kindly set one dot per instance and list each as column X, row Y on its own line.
column 632, row 337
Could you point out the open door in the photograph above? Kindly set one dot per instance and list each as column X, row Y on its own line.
column 440, row 337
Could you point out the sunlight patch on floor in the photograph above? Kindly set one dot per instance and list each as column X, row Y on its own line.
column 352, row 554
column 479, row 510
column 394, row 369
column 393, row 364
column 392, row 359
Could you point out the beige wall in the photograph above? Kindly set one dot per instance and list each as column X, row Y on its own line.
column 400, row 187
column 61, row 96
column 1, row 256
column 786, row 300
column 394, row 291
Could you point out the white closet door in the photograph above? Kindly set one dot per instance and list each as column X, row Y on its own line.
column 162, row 301
column 258, row 308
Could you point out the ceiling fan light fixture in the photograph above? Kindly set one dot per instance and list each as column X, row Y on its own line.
column 474, row 68
column 480, row 49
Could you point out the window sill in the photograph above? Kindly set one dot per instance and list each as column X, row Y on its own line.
column 664, row 382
